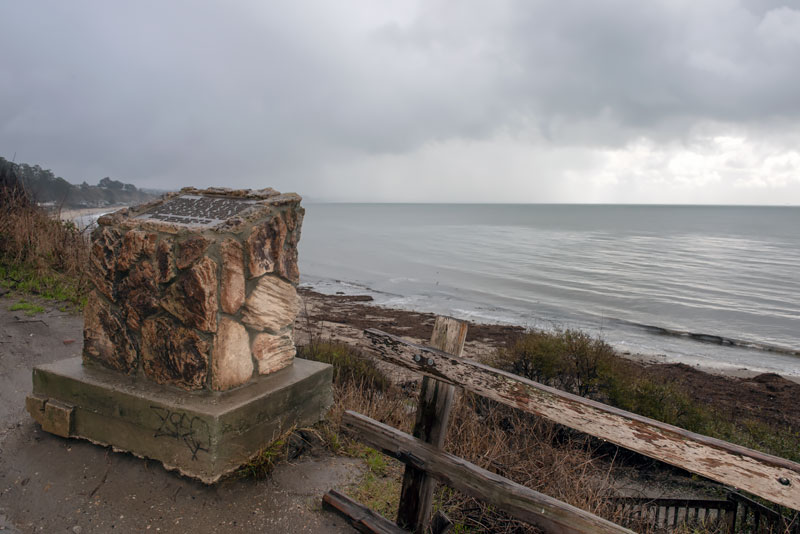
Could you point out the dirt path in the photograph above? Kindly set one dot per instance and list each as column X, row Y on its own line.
column 49, row 484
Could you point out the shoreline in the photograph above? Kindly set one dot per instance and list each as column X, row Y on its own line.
column 746, row 394
column 498, row 331
column 729, row 372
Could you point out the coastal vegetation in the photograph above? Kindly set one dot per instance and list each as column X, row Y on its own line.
column 542, row 455
column 29, row 308
column 574, row 361
column 39, row 254
column 522, row 447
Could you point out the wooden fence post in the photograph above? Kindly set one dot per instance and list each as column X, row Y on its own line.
column 433, row 414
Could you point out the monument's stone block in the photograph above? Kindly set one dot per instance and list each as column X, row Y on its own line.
column 179, row 268
column 232, row 283
column 188, row 352
column 190, row 250
column 135, row 244
column 173, row 354
column 103, row 260
column 165, row 262
column 233, row 363
column 272, row 305
column 193, row 297
column 273, row 352
column 105, row 338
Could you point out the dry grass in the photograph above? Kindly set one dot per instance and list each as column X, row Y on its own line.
column 529, row 450
column 40, row 254
column 519, row 446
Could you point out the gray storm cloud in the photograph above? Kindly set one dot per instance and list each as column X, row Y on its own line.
column 449, row 101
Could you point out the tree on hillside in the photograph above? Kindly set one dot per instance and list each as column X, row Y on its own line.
column 108, row 183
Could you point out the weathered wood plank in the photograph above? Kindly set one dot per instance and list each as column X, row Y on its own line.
column 433, row 414
column 525, row 504
column 360, row 517
column 775, row 479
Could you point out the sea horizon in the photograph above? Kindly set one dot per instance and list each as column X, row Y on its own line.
column 728, row 280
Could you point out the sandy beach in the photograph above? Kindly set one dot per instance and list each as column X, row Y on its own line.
column 85, row 218
column 72, row 214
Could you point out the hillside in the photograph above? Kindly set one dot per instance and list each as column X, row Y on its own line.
column 47, row 188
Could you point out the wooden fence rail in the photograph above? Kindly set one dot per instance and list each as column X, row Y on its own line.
column 522, row 503
column 773, row 478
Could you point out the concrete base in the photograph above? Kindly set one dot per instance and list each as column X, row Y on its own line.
column 203, row 435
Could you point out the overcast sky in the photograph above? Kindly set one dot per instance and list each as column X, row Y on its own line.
column 677, row 101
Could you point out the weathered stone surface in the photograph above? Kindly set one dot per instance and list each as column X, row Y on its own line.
column 288, row 265
column 172, row 354
column 285, row 199
column 115, row 217
column 265, row 246
column 190, row 250
column 272, row 245
column 105, row 339
column 165, row 262
column 273, row 352
column 232, row 282
column 272, row 305
column 103, row 260
column 96, row 342
column 138, row 294
column 135, row 245
column 190, row 264
column 192, row 298
column 232, row 364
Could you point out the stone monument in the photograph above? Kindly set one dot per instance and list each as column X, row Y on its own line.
column 188, row 354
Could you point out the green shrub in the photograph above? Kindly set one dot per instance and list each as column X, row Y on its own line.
column 783, row 442
column 665, row 402
column 570, row 360
column 576, row 362
column 29, row 308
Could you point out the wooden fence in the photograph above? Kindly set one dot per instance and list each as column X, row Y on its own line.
column 769, row 477
column 667, row 514
column 735, row 514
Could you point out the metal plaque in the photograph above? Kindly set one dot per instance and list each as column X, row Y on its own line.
column 197, row 210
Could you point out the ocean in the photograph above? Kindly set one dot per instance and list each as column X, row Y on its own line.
column 716, row 286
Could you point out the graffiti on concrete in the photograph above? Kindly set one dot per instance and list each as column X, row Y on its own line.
column 190, row 429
